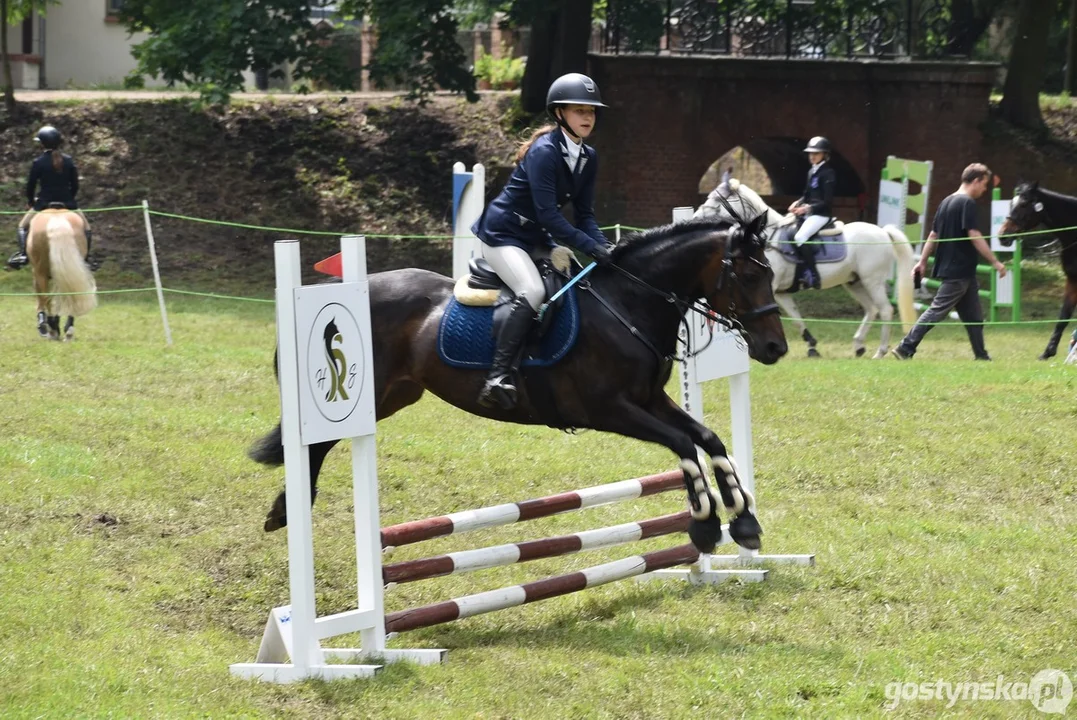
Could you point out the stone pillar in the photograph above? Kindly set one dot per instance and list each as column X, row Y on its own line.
column 368, row 40
column 499, row 36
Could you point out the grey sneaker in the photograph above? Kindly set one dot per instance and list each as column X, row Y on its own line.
column 900, row 354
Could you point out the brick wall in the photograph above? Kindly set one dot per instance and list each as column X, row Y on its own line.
column 671, row 117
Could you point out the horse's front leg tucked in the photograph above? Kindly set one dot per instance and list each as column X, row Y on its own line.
column 633, row 421
column 744, row 528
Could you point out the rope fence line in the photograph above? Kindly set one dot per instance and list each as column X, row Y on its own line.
column 161, row 290
column 397, row 236
column 832, row 321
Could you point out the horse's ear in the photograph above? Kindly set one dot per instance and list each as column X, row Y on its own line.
column 757, row 226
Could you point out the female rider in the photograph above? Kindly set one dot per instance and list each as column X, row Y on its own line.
column 520, row 225
column 59, row 180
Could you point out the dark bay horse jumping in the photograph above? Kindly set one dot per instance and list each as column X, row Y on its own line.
column 1031, row 207
column 614, row 377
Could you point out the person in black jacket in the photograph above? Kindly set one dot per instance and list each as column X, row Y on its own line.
column 815, row 205
column 553, row 167
column 58, row 177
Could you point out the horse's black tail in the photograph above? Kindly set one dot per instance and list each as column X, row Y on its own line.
column 269, row 450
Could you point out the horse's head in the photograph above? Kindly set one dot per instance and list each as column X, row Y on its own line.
column 743, row 291
column 733, row 201
column 1027, row 211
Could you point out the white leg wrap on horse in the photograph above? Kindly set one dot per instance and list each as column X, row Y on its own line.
column 699, row 484
column 749, row 497
column 725, row 466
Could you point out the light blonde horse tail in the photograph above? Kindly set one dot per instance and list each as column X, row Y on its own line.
column 903, row 253
column 69, row 271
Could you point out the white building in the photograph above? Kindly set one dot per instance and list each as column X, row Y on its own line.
column 77, row 43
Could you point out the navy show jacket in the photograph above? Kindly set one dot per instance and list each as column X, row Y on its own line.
column 527, row 212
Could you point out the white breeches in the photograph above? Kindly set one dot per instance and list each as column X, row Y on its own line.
column 517, row 270
column 812, row 224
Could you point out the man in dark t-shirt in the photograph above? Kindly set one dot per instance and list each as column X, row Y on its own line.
column 958, row 245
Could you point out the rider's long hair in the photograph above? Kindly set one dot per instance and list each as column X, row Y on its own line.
column 57, row 160
column 526, row 144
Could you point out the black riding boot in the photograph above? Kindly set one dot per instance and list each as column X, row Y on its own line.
column 811, row 277
column 500, row 388
column 19, row 259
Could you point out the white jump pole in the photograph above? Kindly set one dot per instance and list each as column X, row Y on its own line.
column 326, row 399
column 468, row 201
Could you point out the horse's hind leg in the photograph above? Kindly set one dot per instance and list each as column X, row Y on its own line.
column 785, row 301
column 54, row 327
column 69, row 329
column 1069, row 301
column 744, row 528
column 871, row 309
column 277, row 517
column 41, row 286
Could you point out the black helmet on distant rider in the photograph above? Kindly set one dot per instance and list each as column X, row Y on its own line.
column 818, row 144
column 49, row 137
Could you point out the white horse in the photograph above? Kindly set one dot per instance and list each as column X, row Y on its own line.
column 864, row 272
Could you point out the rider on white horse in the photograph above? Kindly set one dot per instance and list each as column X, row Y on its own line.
column 815, row 205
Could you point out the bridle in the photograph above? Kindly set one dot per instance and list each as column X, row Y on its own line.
column 733, row 322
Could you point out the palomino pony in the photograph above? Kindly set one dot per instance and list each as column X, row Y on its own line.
column 863, row 273
column 613, row 378
column 56, row 246
column 1033, row 206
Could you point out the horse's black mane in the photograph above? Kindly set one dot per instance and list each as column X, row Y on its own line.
column 657, row 238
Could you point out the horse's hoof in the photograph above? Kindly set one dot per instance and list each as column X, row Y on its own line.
column 43, row 331
column 275, row 522
column 860, row 352
column 812, row 352
column 745, row 531
column 705, row 534
column 1048, row 354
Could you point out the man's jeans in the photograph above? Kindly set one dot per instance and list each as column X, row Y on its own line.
column 962, row 294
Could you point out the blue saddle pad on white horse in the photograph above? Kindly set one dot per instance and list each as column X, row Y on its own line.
column 828, row 248
column 466, row 336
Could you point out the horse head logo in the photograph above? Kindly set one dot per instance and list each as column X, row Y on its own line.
column 338, row 363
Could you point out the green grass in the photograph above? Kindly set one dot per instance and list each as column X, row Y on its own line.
column 937, row 494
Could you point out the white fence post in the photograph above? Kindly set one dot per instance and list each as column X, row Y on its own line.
column 156, row 271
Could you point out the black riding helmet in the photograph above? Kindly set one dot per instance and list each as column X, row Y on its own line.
column 572, row 89
column 49, row 137
column 818, row 144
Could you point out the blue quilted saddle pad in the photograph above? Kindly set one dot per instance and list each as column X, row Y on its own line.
column 466, row 336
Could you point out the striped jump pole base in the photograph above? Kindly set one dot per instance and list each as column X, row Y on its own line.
column 497, row 515
column 509, row 554
column 494, row 600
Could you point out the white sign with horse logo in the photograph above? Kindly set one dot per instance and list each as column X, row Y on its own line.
column 336, row 384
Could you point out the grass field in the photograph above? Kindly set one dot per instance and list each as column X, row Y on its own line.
column 937, row 494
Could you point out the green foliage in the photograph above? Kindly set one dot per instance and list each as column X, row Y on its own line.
column 208, row 44
column 504, row 73
column 417, row 46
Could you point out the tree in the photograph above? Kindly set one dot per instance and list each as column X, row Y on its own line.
column 560, row 35
column 209, row 44
column 1025, row 71
column 13, row 12
column 1071, row 50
